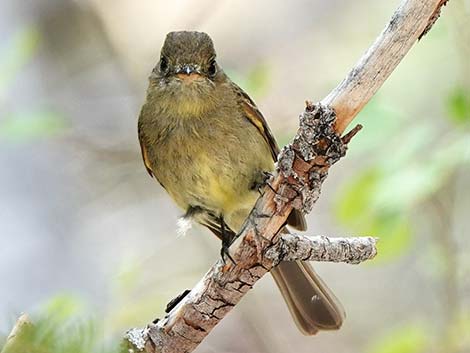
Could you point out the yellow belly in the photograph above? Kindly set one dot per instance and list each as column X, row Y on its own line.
column 226, row 190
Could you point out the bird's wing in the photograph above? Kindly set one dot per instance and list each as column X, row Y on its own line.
column 143, row 150
column 296, row 219
column 255, row 117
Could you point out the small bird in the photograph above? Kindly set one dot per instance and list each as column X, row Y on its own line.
column 205, row 141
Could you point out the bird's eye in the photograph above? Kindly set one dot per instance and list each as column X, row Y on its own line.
column 163, row 64
column 212, row 70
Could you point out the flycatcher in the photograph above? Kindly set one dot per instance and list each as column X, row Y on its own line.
column 208, row 145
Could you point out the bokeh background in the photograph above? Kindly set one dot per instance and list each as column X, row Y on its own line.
column 88, row 241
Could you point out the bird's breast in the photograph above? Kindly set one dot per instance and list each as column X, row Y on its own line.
column 211, row 162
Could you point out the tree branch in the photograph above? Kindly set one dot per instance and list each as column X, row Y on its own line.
column 295, row 247
column 410, row 22
column 302, row 167
column 221, row 288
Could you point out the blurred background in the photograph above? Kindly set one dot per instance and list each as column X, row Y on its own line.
column 88, row 240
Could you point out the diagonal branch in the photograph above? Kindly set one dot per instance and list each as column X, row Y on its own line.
column 221, row 288
column 412, row 20
column 303, row 166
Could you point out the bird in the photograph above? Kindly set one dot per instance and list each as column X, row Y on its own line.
column 208, row 145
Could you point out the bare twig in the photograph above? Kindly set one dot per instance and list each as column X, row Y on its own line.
column 303, row 166
column 294, row 247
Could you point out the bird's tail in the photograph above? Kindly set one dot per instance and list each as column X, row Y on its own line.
column 311, row 303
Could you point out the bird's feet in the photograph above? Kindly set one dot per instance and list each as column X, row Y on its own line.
column 227, row 240
column 262, row 182
column 225, row 253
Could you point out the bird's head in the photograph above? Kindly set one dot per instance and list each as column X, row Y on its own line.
column 187, row 71
column 186, row 57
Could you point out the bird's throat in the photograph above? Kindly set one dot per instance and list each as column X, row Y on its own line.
column 189, row 99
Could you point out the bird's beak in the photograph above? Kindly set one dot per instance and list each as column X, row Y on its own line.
column 188, row 73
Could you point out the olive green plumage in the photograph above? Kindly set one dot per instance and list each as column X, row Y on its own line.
column 208, row 145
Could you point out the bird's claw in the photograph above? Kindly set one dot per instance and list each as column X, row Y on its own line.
column 225, row 253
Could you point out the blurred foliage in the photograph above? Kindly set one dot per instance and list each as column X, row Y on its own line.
column 26, row 126
column 255, row 82
column 61, row 328
column 17, row 54
column 418, row 337
column 355, row 209
column 133, row 306
column 396, row 172
column 459, row 334
column 405, row 163
column 30, row 124
column 411, row 338
column 458, row 106
column 65, row 324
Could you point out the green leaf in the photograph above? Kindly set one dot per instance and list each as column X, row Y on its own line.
column 458, row 106
column 406, row 339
